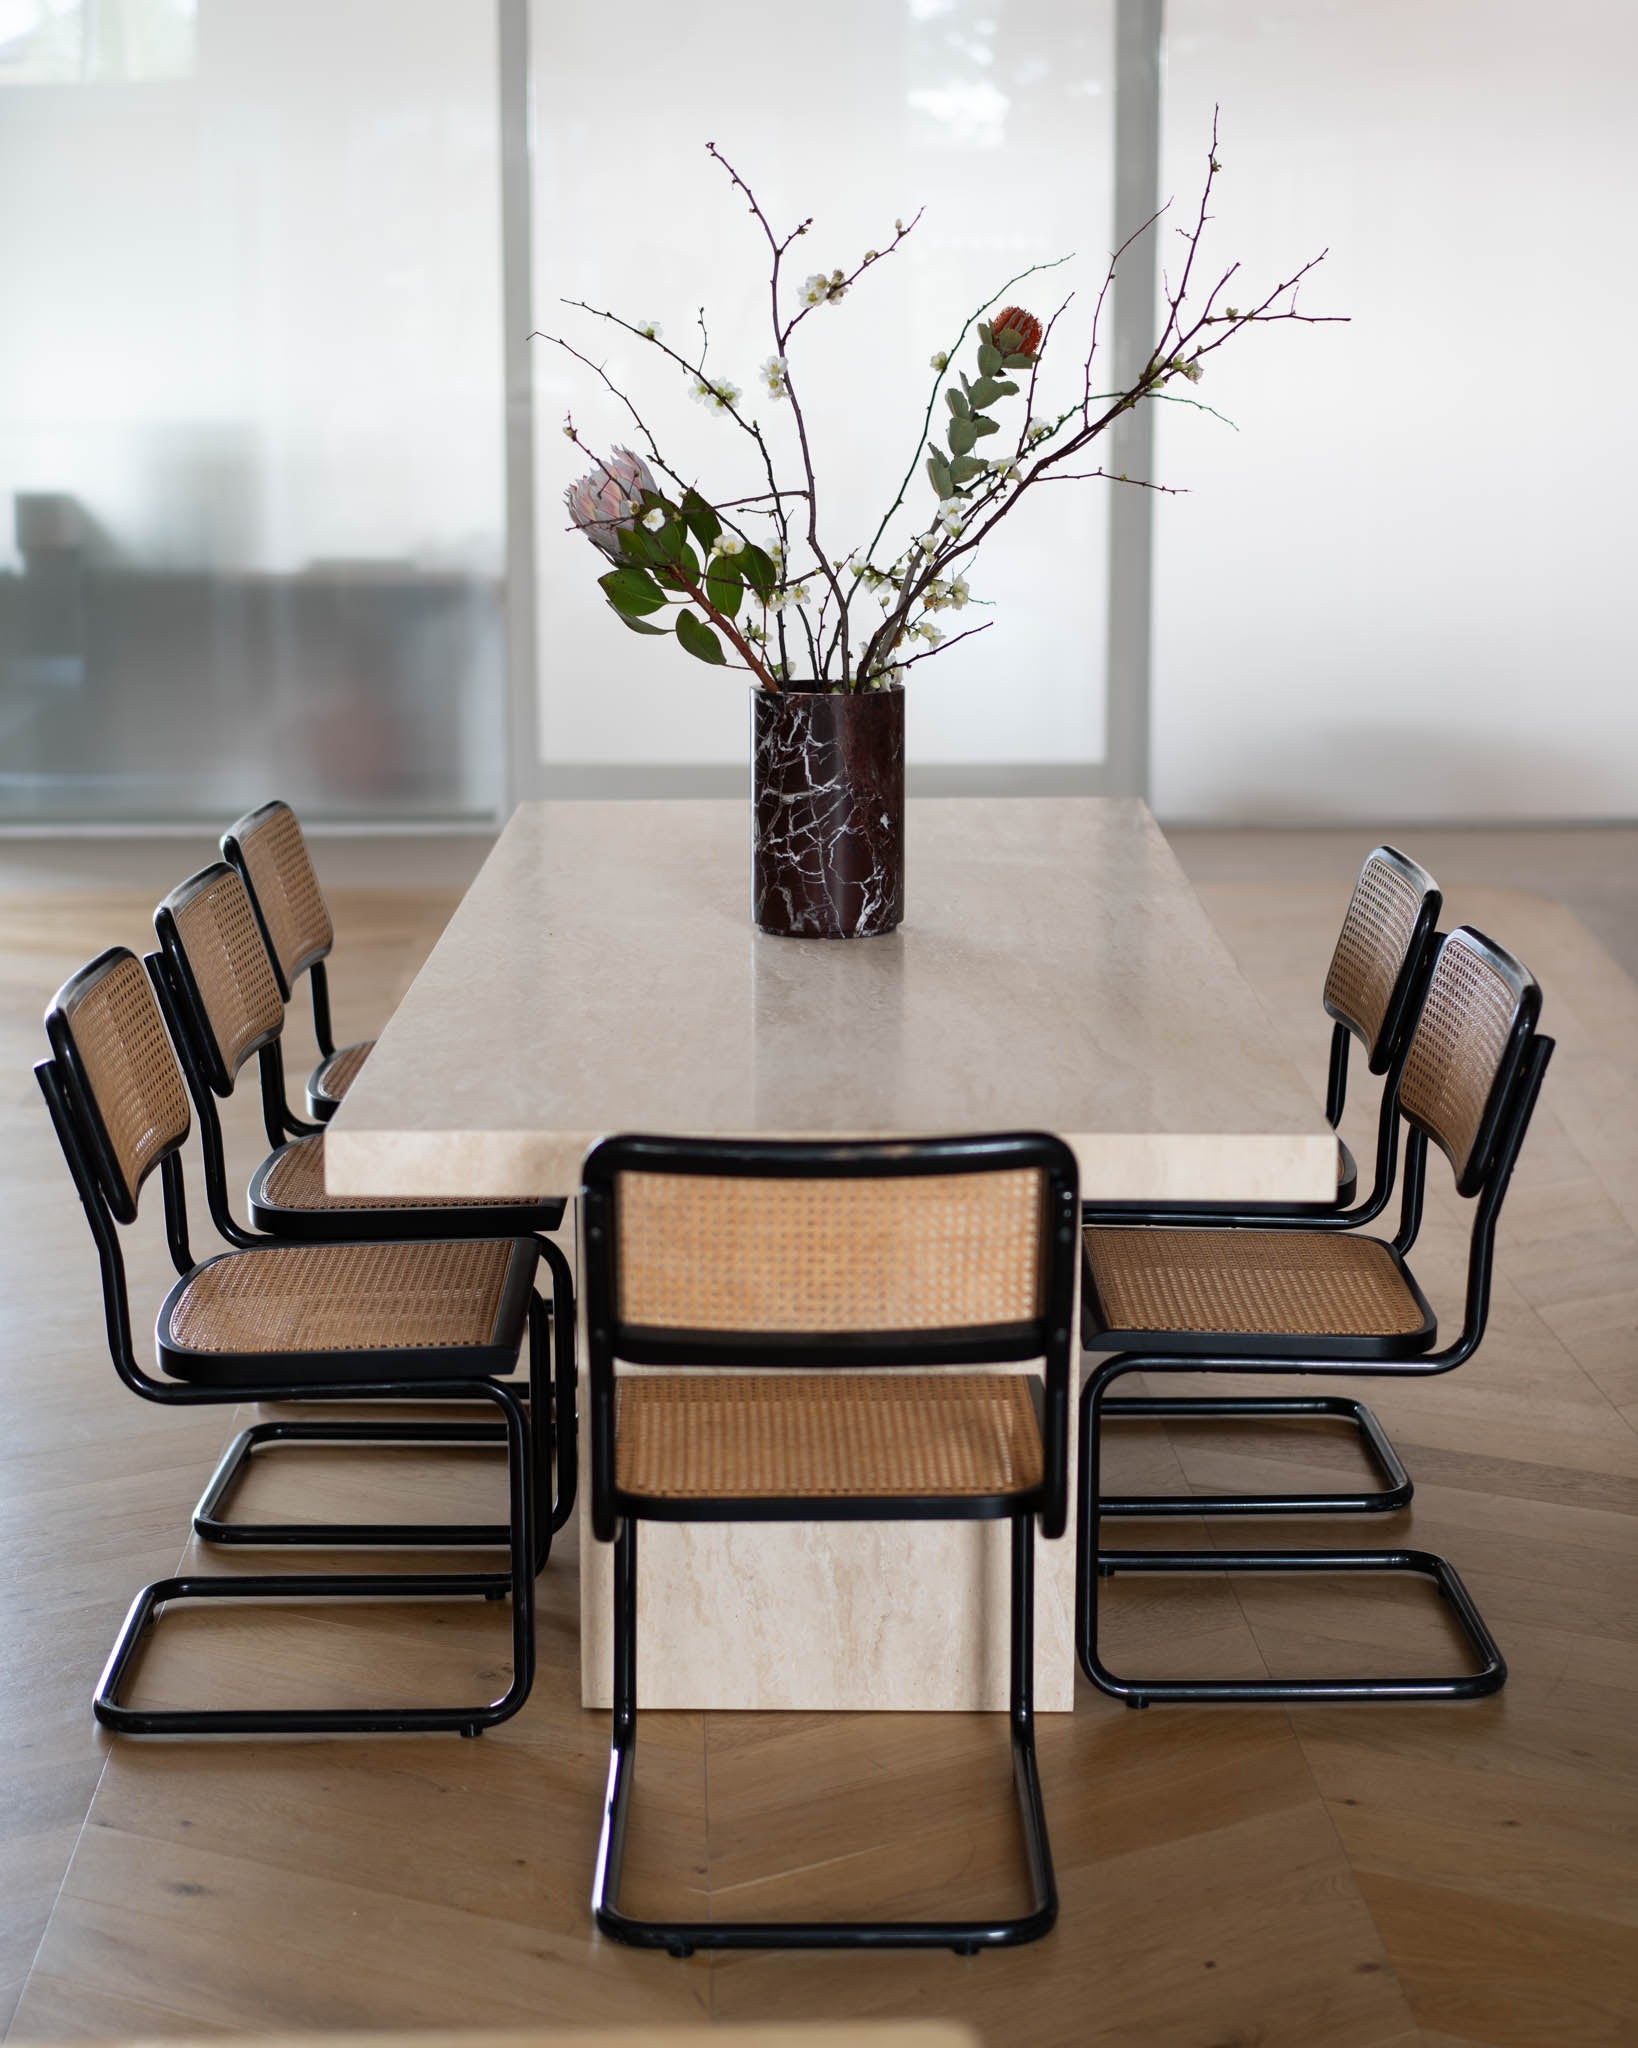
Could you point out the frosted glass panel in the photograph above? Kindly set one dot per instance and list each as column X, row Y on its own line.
column 995, row 113
column 1404, row 589
column 251, row 483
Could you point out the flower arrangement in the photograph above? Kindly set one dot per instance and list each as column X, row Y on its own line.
column 747, row 582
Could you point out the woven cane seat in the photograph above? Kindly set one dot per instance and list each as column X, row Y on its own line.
column 289, row 1186
column 350, row 1312
column 331, row 1078
column 825, row 1436
column 1227, row 1284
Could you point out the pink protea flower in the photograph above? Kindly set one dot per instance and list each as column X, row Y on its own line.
column 610, row 498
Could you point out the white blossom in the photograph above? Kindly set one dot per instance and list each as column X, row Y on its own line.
column 650, row 330
column 1037, row 430
column 715, row 397
column 654, row 520
column 930, row 633
column 728, row 544
column 798, row 594
column 772, row 373
column 959, row 593
column 939, row 360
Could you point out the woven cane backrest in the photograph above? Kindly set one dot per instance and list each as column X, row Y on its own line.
column 1374, row 946
column 298, row 923
column 112, row 1020
column 223, row 948
column 1460, row 1047
column 914, row 1253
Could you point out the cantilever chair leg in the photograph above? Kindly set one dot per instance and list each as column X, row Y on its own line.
column 1093, row 1562
column 518, row 1580
column 553, row 1452
column 682, row 1937
column 1395, row 1492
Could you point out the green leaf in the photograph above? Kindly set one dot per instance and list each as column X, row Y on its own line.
column 1006, row 387
column 989, row 357
column 703, row 523
column 677, row 553
column 758, row 570
column 632, row 590
column 939, row 473
column 985, row 392
column 700, row 641
column 1017, row 362
column 1007, row 340
column 961, row 434
column 724, row 586
column 987, row 426
column 641, row 625
column 957, row 402
column 984, row 334
column 965, row 468
column 640, row 545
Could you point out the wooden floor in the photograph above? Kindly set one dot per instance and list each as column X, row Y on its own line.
column 1336, row 1878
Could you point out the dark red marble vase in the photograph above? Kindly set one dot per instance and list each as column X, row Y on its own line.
column 827, row 812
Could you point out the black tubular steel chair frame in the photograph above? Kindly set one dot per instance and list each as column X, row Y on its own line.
column 1484, row 1176
column 312, row 964
column 615, row 1514
column 108, row 1204
column 554, row 1430
column 1384, row 1055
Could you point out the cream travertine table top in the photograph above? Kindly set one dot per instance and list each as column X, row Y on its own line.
column 1054, row 971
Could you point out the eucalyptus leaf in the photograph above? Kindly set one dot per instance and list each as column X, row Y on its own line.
column 724, row 586
column 965, row 468
column 985, row 392
column 703, row 523
column 632, row 590
column 957, row 402
column 984, row 334
column 989, row 358
column 1006, row 387
column 1018, row 362
column 939, row 473
column 984, row 426
column 700, row 641
column 961, row 434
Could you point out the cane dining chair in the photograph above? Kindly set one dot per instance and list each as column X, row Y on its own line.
column 822, row 1283
column 1250, row 1300
column 353, row 1323
column 269, row 851
column 217, row 988
column 1372, row 988
column 1377, row 971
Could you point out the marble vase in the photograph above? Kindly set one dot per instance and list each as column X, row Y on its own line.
column 827, row 812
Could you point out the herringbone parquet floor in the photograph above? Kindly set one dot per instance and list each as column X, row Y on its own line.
column 1334, row 1878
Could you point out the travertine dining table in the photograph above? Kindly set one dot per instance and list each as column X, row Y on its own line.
column 1054, row 971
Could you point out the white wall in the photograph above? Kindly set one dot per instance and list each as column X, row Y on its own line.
column 997, row 116
column 1404, row 589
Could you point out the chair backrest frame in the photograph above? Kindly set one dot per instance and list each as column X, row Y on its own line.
column 1401, row 1001
column 1467, row 944
column 1047, row 1335
column 306, row 949
column 220, row 1064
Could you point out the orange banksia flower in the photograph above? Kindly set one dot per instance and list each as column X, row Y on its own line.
column 1016, row 332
